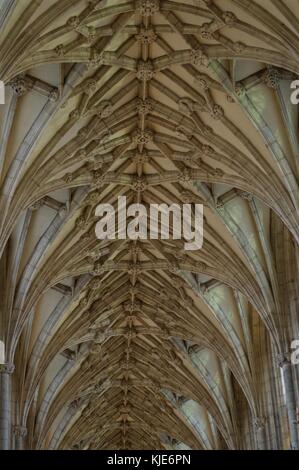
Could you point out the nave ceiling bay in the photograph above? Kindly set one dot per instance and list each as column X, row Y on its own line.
column 129, row 344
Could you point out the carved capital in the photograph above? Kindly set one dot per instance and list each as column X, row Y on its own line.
column 53, row 95
column 37, row 205
column 245, row 195
column 7, row 368
column 19, row 86
column 220, row 206
column 283, row 360
column 258, row 423
column 20, row 431
column 240, row 90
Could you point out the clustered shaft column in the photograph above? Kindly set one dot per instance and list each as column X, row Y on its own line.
column 20, row 433
column 5, row 405
column 260, row 433
column 290, row 395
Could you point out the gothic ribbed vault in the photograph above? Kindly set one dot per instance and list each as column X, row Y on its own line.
column 140, row 344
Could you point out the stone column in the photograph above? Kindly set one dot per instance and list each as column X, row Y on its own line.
column 286, row 367
column 5, row 405
column 260, row 433
column 20, row 433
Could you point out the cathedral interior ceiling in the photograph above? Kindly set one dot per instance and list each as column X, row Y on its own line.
column 142, row 344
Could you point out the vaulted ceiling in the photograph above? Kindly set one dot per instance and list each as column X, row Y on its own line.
column 141, row 344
